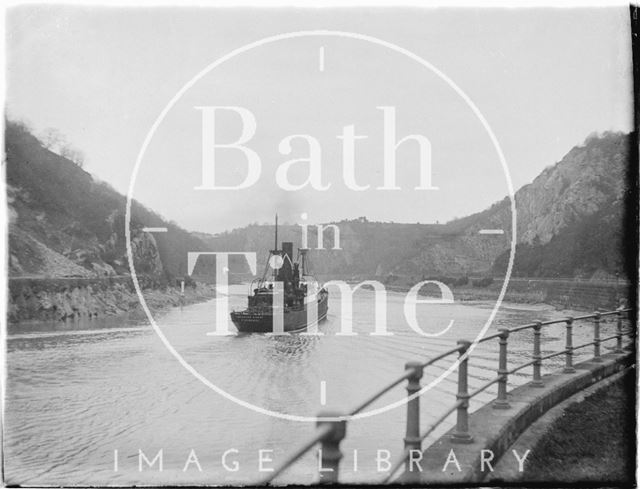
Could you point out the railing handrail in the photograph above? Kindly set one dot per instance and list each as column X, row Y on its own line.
column 381, row 392
column 603, row 280
column 325, row 430
column 401, row 460
column 320, row 433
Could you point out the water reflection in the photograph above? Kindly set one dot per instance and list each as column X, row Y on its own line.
column 80, row 324
column 287, row 348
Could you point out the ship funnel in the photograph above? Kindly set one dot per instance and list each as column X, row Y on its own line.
column 287, row 249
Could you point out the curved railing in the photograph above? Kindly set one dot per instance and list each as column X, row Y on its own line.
column 331, row 431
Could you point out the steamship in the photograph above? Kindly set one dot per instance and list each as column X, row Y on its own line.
column 289, row 288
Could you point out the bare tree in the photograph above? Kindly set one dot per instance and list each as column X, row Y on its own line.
column 72, row 154
column 55, row 141
column 52, row 139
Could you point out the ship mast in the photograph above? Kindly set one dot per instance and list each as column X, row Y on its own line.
column 276, row 242
column 275, row 249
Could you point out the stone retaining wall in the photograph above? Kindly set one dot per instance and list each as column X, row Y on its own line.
column 58, row 299
column 574, row 294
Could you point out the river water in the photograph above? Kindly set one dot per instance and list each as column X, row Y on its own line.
column 82, row 396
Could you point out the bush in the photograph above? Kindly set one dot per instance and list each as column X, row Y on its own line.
column 482, row 282
column 462, row 281
column 450, row 281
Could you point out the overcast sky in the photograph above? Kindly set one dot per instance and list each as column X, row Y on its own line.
column 543, row 79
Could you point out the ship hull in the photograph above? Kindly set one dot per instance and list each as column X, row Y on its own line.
column 294, row 320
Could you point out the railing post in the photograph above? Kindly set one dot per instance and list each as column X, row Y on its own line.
column 596, row 337
column 501, row 402
column 632, row 334
column 568, row 366
column 619, row 332
column 330, row 454
column 412, row 439
column 537, row 356
column 461, row 434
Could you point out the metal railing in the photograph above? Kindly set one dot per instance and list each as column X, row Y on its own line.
column 331, row 426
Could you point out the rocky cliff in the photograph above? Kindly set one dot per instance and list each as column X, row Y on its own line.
column 590, row 177
column 579, row 217
column 65, row 223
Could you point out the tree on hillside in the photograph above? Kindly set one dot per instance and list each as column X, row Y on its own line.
column 55, row 141
column 73, row 154
column 52, row 139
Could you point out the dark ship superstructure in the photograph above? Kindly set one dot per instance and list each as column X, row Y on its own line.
column 299, row 290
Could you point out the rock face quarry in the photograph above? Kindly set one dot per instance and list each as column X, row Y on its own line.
column 41, row 248
column 65, row 223
column 576, row 218
column 570, row 219
column 589, row 178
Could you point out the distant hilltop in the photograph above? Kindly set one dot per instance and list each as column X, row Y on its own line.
column 571, row 222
